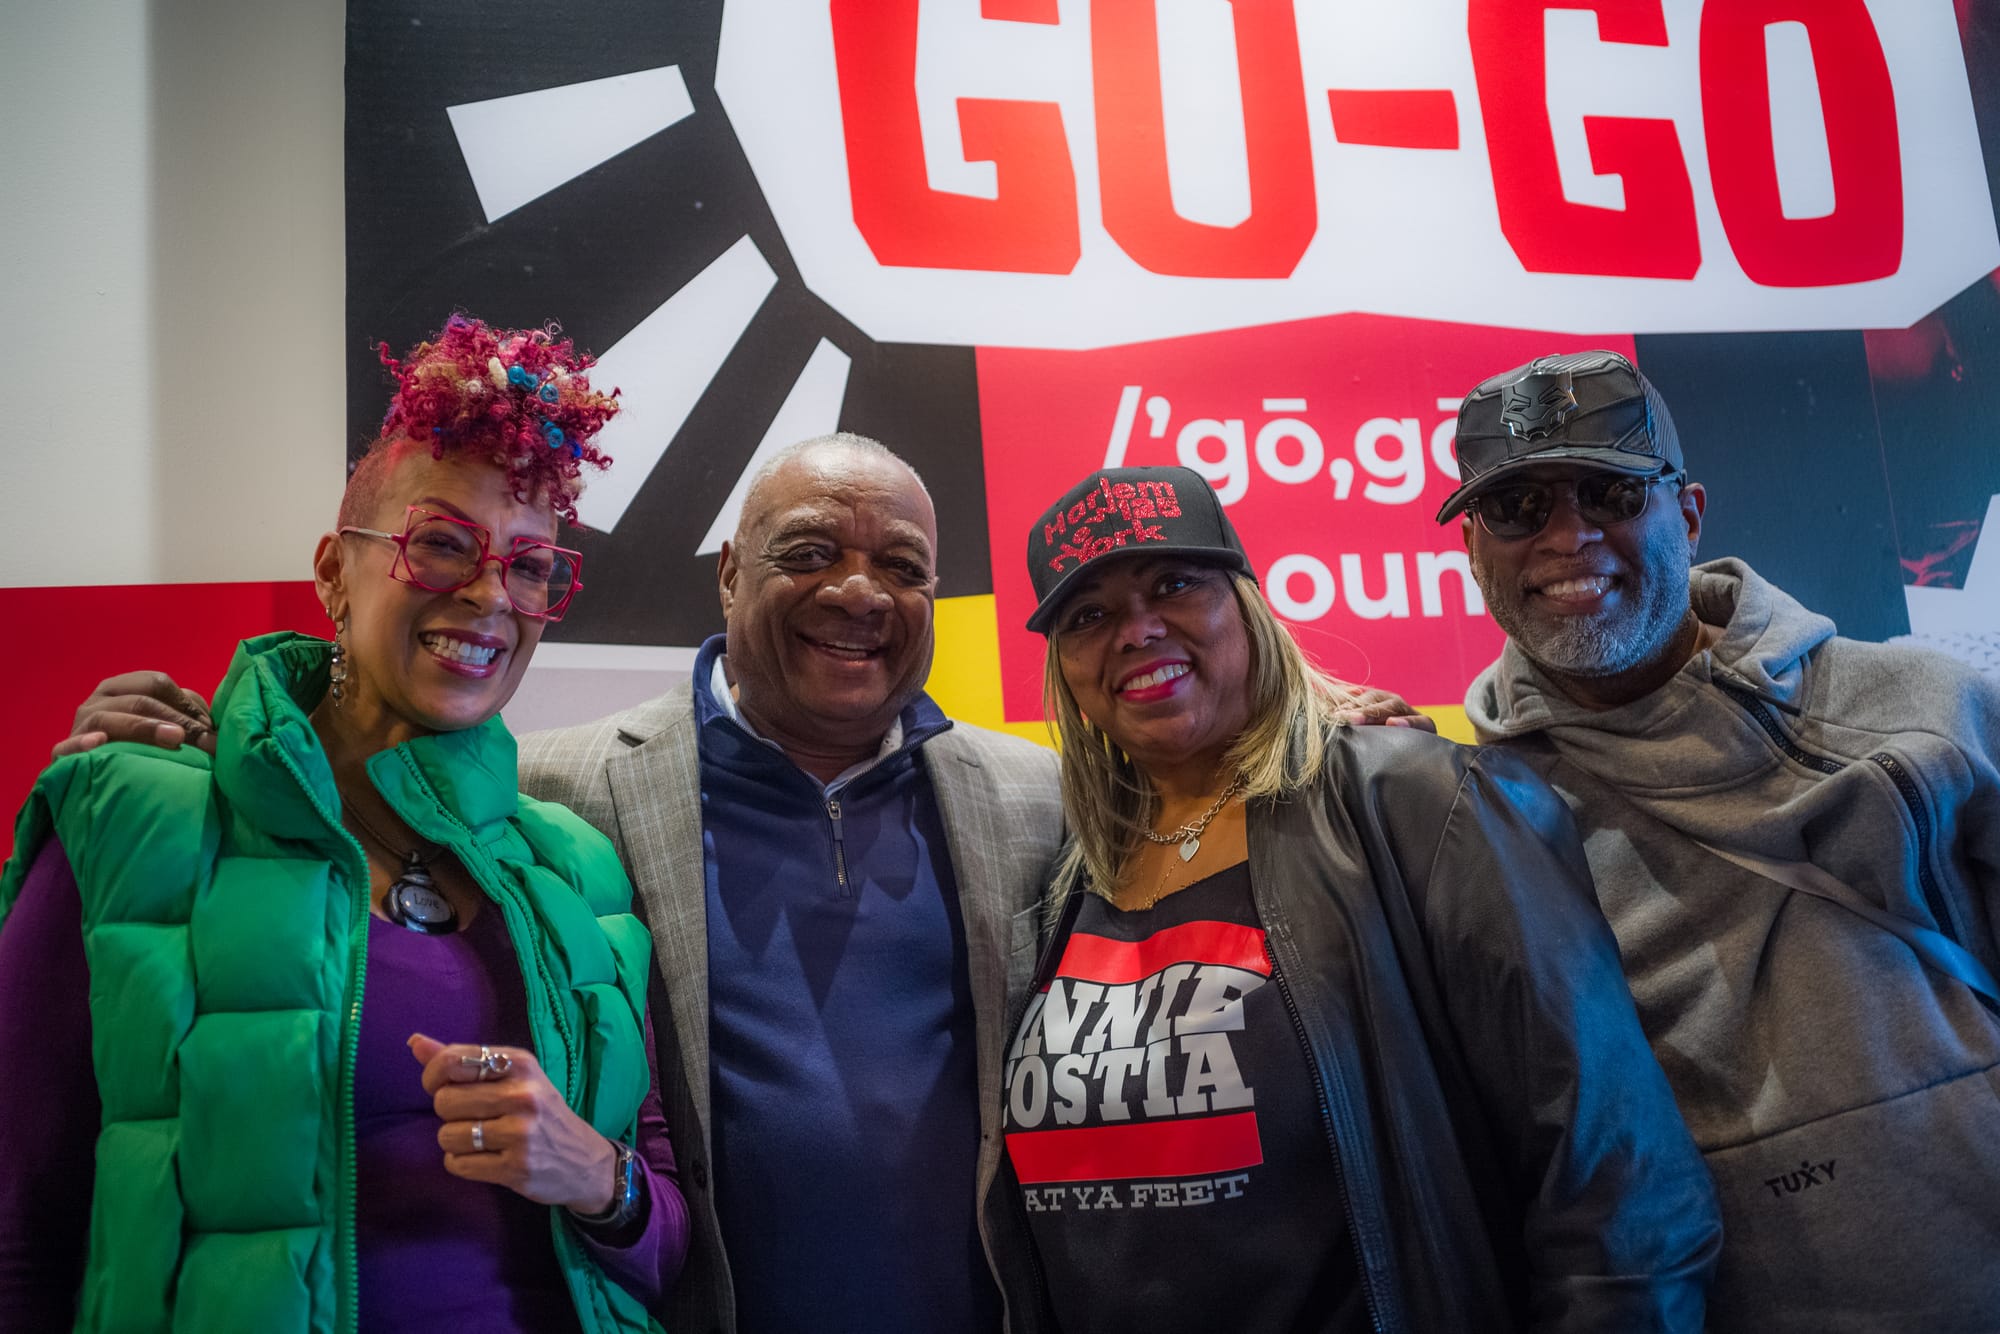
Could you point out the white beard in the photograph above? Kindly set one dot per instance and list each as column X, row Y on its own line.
column 1611, row 642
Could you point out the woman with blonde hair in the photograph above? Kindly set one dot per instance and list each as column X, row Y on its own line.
column 1328, row 1034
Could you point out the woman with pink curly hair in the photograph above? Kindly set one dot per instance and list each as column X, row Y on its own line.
column 335, row 1030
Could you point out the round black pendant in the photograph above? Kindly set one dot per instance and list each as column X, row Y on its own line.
column 414, row 901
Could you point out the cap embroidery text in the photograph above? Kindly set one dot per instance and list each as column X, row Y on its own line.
column 1077, row 526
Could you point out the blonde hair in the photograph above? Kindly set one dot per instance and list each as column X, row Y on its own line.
column 1109, row 802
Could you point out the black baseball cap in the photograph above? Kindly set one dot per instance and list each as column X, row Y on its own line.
column 1587, row 407
column 1134, row 511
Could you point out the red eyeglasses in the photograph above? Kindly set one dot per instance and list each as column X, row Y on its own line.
column 441, row 554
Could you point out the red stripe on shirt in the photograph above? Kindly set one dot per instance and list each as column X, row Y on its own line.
column 1100, row 959
column 1195, row 1146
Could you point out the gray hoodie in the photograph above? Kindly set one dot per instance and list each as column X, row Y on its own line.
column 1847, row 1099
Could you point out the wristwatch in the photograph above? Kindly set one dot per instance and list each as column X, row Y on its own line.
column 626, row 1196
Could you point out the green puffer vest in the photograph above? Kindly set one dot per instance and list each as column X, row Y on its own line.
column 223, row 1028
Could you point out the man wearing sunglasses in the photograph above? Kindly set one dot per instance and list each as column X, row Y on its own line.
column 1795, row 838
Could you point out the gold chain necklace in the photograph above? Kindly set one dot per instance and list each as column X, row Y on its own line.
column 1189, row 835
column 1189, row 838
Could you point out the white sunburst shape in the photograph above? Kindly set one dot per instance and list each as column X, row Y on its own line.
column 523, row 146
column 518, row 148
column 664, row 366
column 812, row 408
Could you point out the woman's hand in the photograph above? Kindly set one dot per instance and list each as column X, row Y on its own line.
column 1387, row 708
column 147, row 707
column 534, row 1145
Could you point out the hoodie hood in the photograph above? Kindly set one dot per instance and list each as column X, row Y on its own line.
column 1766, row 638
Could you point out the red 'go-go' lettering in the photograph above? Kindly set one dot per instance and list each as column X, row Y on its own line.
column 1132, row 146
column 1862, row 238
column 1654, row 235
column 1030, row 228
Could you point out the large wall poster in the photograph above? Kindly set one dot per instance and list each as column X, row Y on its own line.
column 1017, row 239
column 1273, row 239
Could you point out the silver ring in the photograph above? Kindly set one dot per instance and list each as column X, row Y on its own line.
column 489, row 1063
column 479, row 1137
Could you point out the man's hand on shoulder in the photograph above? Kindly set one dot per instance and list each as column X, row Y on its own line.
column 147, row 707
column 1386, row 708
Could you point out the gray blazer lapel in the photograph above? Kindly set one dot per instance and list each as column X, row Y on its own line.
column 997, row 797
column 986, row 901
column 656, row 789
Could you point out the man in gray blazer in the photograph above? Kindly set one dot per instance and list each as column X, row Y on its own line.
column 840, row 883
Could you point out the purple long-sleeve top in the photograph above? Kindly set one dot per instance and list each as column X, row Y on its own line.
column 433, row 1251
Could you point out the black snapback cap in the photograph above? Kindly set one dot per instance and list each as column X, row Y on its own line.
column 1136, row 511
column 1586, row 407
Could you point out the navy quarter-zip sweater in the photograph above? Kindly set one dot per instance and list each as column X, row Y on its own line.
column 842, row 1057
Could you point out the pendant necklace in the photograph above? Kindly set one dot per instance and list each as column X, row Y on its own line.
column 413, row 901
column 1189, row 835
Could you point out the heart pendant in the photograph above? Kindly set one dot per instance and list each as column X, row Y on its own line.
column 1189, row 848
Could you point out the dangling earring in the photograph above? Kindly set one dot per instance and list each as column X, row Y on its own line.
column 337, row 670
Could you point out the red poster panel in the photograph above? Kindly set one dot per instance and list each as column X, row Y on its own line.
column 188, row 631
column 1329, row 442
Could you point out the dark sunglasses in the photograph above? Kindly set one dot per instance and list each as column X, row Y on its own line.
column 1602, row 498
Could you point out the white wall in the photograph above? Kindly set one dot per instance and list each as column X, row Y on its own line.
column 173, row 288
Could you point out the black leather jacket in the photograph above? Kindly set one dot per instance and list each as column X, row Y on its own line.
column 1510, row 1156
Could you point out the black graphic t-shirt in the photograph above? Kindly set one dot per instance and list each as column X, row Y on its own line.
column 1166, row 1129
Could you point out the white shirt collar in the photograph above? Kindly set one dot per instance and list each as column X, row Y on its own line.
column 719, row 694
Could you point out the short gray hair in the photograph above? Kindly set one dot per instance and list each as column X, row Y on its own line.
column 847, row 440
